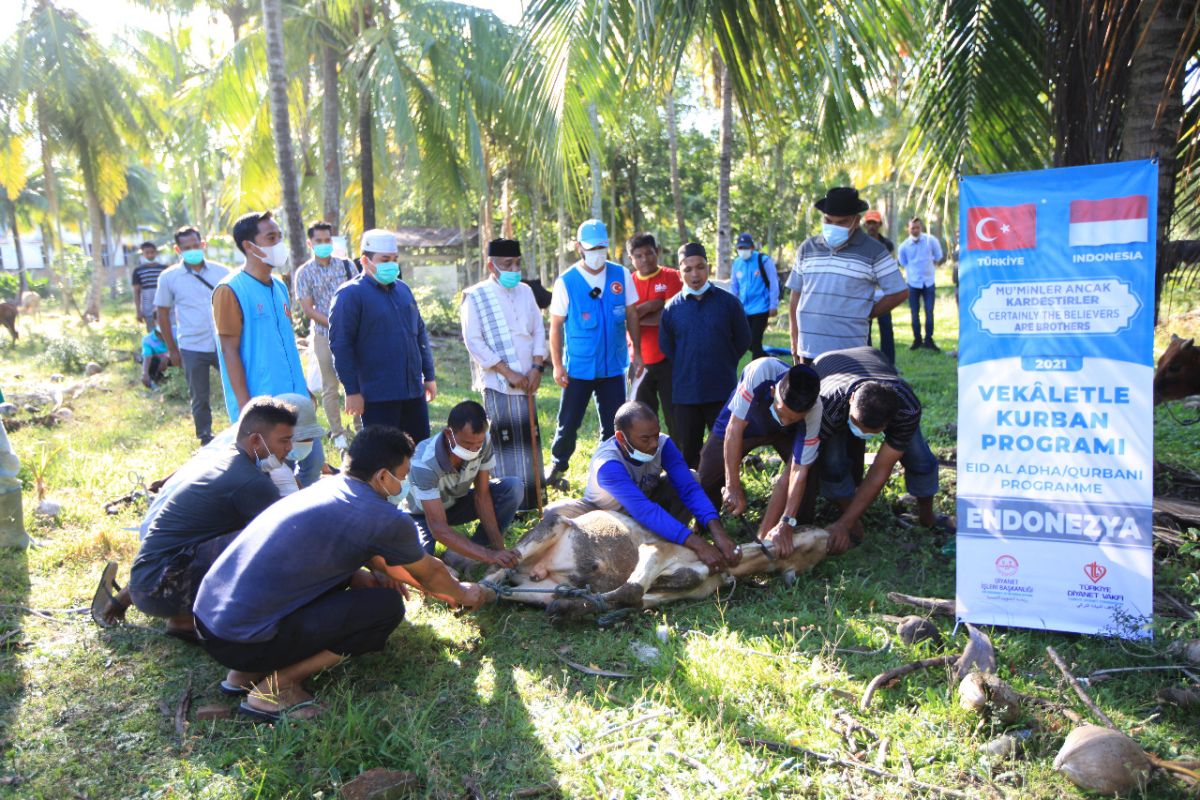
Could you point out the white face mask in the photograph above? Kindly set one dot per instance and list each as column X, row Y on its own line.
column 594, row 259
column 269, row 464
column 275, row 255
column 744, row 254
column 464, row 453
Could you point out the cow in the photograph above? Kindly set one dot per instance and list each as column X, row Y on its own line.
column 8, row 318
column 608, row 561
column 31, row 304
column 1178, row 372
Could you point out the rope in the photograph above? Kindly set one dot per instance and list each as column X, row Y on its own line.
column 606, row 618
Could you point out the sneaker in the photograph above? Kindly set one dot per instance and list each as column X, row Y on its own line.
column 916, row 345
column 931, row 345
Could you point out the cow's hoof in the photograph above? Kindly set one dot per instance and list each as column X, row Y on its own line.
column 563, row 610
column 627, row 595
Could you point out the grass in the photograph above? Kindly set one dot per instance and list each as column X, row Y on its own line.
column 484, row 699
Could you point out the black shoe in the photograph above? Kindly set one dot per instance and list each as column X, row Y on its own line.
column 205, row 439
column 557, row 477
column 916, row 345
column 931, row 345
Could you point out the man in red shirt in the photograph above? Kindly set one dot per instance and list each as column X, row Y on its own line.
column 655, row 286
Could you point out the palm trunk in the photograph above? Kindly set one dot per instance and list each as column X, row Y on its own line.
column 776, row 198
column 96, row 223
column 506, row 224
column 725, row 164
column 330, row 141
column 486, row 224
column 594, row 161
column 110, row 253
column 22, row 281
column 539, row 258
column 48, row 176
column 676, row 188
column 281, row 128
column 366, row 163
column 563, row 234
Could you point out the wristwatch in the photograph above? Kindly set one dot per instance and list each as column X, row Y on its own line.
column 540, row 367
column 791, row 522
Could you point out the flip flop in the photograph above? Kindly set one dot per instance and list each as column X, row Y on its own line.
column 182, row 635
column 105, row 598
column 259, row 715
column 942, row 524
column 229, row 690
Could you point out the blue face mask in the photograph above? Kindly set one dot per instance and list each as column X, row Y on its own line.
column 696, row 292
column 509, row 280
column 300, row 451
column 194, row 256
column 835, row 235
column 398, row 499
column 323, row 250
column 866, row 437
column 386, row 272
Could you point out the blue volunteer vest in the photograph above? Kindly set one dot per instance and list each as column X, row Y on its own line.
column 268, row 344
column 595, row 326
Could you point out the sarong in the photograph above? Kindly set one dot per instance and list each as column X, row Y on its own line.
column 509, row 415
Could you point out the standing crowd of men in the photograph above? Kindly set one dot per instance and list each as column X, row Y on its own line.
column 279, row 573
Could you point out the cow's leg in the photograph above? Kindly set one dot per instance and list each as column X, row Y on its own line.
column 540, row 538
column 522, row 594
column 704, row 588
column 652, row 559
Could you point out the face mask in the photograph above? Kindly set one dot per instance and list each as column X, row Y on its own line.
column 398, row 499
column 744, row 255
column 323, row 250
column 835, row 235
column 462, row 452
column 300, row 451
column 194, row 256
column 275, row 255
column 866, row 437
column 386, row 272
column 271, row 462
column 638, row 455
column 509, row 280
column 696, row 292
column 594, row 259
column 775, row 416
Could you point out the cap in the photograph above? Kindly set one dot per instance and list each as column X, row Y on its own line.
column 693, row 249
column 378, row 240
column 744, row 240
column 504, row 248
column 873, row 216
column 306, row 422
column 593, row 234
column 800, row 387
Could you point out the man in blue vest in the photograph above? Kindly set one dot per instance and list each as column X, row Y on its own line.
column 588, row 323
column 256, row 344
column 755, row 282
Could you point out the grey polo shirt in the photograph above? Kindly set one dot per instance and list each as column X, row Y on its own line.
column 837, row 291
column 433, row 477
column 184, row 289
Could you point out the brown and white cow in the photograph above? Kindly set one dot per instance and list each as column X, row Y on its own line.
column 626, row 566
column 1178, row 373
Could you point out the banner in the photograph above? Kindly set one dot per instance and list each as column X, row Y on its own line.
column 1055, row 399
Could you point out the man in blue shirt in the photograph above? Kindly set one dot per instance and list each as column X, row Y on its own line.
column 704, row 332
column 589, row 318
column 380, row 346
column 627, row 475
column 755, row 282
column 290, row 597
column 920, row 254
column 777, row 406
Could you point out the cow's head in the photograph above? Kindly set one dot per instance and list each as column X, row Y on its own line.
column 1178, row 372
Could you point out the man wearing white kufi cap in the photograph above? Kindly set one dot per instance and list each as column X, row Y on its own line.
column 380, row 346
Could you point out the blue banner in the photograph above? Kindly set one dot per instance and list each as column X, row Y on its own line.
column 1056, row 359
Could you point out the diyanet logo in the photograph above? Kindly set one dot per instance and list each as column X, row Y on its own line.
column 1095, row 571
column 1007, row 565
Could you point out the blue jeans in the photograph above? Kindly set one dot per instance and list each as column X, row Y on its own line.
column 915, row 296
column 506, row 497
column 308, row 471
column 920, row 467
column 610, row 394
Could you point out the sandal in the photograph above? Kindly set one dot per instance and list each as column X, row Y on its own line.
column 259, row 715
column 942, row 523
column 229, row 690
column 105, row 601
column 183, row 635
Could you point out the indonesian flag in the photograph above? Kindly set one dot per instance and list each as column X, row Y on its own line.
column 1002, row 227
column 1115, row 220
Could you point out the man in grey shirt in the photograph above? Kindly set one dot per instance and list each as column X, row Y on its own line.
column 187, row 288
column 834, row 279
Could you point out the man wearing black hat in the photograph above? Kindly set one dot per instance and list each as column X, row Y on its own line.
column 506, row 338
column 703, row 331
column 774, row 405
column 834, row 279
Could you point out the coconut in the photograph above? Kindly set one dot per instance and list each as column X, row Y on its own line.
column 92, row 368
column 1102, row 760
column 1191, row 651
column 913, row 629
column 989, row 697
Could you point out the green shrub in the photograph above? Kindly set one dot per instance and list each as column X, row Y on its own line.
column 440, row 314
column 10, row 286
column 72, row 353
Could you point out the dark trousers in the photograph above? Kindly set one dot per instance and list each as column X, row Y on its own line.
column 610, row 393
column 691, row 420
column 348, row 622
column 887, row 337
column 915, row 296
column 410, row 416
column 711, row 472
column 758, row 326
column 656, row 386
column 506, row 496
column 158, row 367
column 196, row 366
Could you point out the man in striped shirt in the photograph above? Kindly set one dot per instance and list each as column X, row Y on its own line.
column 834, row 280
column 864, row 400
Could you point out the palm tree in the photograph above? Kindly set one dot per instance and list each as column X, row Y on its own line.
column 724, row 166
column 277, row 80
column 673, row 148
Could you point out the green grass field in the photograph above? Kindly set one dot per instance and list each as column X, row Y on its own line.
column 483, row 701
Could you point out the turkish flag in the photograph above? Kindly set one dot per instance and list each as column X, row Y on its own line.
column 1002, row 227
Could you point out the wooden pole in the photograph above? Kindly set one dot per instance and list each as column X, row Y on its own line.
column 535, row 448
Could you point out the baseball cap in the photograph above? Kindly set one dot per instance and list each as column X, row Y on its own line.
column 592, row 234
column 873, row 216
column 378, row 240
column 744, row 240
column 306, row 417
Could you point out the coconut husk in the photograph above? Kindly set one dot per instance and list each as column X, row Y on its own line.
column 1103, row 760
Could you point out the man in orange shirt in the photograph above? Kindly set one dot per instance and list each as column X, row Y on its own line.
column 655, row 286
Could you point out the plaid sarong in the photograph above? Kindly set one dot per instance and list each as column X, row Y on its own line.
column 509, row 415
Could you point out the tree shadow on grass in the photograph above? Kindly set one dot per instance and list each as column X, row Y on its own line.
column 14, row 593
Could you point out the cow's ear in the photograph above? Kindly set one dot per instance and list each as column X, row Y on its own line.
column 1175, row 338
column 1187, row 344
